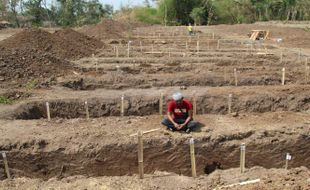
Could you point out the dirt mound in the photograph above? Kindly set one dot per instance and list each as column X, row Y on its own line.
column 23, row 65
column 107, row 29
column 73, row 36
column 63, row 47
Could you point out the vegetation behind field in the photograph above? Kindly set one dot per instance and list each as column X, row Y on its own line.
column 169, row 12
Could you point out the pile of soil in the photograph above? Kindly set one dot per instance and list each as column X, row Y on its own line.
column 62, row 44
column 21, row 65
column 107, row 29
column 82, row 40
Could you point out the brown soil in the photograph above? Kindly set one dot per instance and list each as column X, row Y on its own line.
column 19, row 66
column 271, row 179
column 106, row 29
column 59, row 44
column 74, row 153
column 292, row 37
column 80, row 39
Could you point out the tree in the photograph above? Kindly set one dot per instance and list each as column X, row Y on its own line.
column 198, row 14
column 13, row 14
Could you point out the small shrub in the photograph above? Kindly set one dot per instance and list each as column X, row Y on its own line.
column 32, row 84
column 5, row 100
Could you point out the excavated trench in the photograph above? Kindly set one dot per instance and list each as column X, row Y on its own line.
column 266, row 149
column 141, row 105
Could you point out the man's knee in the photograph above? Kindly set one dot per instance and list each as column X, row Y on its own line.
column 192, row 124
column 166, row 122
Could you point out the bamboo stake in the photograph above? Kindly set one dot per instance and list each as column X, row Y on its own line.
column 287, row 158
column 117, row 55
column 122, row 105
column 6, row 165
column 195, row 104
column 146, row 132
column 128, row 49
column 198, row 48
column 192, row 154
column 48, row 111
column 242, row 158
column 141, row 46
column 161, row 102
column 283, row 76
column 86, row 109
column 236, row 77
column 140, row 154
column 307, row 74
column 229, row 103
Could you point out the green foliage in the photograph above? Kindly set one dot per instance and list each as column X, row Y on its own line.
column 5, row 100
column 198, row 14
column 32, row 84
column 147, row 15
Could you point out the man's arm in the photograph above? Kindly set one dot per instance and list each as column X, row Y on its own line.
column 169, row 115
column 190, row 116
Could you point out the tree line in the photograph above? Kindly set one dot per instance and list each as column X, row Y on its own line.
column 168, row 12
column 53, row 13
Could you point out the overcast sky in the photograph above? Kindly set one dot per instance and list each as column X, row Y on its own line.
column 116, row 3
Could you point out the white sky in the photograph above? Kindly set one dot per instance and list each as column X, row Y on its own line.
column 115, row 3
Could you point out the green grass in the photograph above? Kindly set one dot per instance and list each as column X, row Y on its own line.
column 5, row 100
column 32, row 84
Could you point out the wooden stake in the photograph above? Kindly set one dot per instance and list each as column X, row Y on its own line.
column 141, row 46
column 86, row 109
column 122, row 105
column 128, row 49
column 229, row 103
column 6, row 165
column 117, row 55
column 48, row 111
column 236, row 77
column 307, row 74
column 287, row 158
column 242, row 158
column 198, row 47
column 192, row 153
column 283, row 76
column 140, row 154
column 161, row 102
column 213, row 35
column 195, row 104
column 146, row 132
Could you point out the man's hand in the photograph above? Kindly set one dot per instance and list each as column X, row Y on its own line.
column 176, row 126
column 181, row 126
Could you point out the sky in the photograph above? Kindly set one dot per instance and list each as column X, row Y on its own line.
column 117, row 3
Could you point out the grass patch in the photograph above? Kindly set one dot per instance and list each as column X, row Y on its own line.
column 32, row 84
column 5, row 100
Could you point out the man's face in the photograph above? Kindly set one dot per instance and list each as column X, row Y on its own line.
column 179, row 102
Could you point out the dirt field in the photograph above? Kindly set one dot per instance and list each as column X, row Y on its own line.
column 269, row 107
